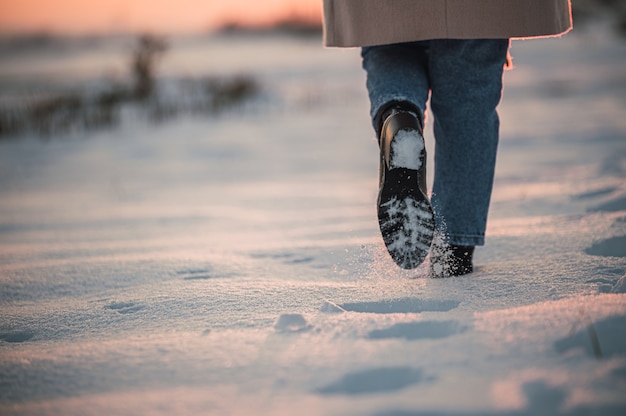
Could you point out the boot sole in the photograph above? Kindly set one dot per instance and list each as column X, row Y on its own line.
column 405, row 217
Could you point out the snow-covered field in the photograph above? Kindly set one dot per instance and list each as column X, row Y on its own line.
column 232, row 265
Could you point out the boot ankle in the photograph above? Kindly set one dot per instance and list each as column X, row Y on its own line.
column 461, row 260
column 452, row 260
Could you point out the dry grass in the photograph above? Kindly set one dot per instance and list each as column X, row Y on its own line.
column 69, row 111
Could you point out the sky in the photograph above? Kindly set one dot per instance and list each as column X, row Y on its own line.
column 97, row 16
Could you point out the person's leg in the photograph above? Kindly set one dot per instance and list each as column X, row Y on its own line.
column 396, row 74
column 398, row 88
column 466, row 84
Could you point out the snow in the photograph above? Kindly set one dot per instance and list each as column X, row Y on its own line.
column 291, row 322
column 406, row 148
column 233, row 265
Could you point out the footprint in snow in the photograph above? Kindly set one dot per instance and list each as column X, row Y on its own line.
column 202, row 274
column 611, row 247
column 402, row 305
column 16, row 336
column 376, row 380
column 614, row 205
column 610, row 285
column 411, row 331
column 285, row 258
column 195, row 274
column 596, row 193
column 601, row 339
column 124, row 307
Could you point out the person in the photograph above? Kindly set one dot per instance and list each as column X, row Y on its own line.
column 455, row 51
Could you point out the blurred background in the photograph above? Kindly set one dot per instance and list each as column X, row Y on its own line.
column 171, row 16
column 71, row 65
column 68, row 66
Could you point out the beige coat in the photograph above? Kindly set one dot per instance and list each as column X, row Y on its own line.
column 375, row 22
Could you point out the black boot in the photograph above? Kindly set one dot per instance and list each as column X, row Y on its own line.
column 405, row 215
column 452, row 260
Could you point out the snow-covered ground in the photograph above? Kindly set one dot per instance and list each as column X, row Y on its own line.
column 232, row 265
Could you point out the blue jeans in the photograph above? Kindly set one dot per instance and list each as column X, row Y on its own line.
column 464, row 78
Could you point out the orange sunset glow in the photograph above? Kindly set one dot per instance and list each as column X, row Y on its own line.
column 185, row 16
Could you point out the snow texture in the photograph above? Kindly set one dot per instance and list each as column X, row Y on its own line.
column 233, row 265
column 406, row 149
column 291, row 322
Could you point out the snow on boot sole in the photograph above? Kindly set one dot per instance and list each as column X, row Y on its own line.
column 405, row 217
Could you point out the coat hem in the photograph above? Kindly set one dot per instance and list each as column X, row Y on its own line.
column 355, row 23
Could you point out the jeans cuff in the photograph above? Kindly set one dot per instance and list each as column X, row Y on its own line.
column 466, row 239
